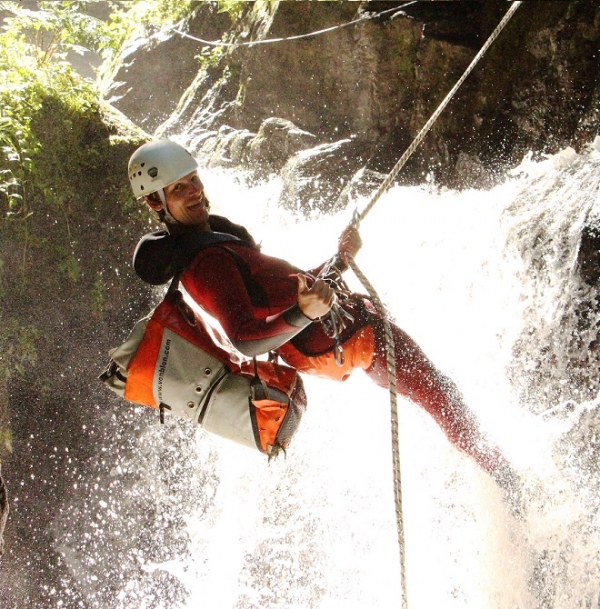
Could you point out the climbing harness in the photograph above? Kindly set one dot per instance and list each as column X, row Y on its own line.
column 390, row 351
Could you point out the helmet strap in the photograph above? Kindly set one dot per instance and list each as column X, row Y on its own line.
column 168, row 217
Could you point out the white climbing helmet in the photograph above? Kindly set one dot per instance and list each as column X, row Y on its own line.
column 157, row 164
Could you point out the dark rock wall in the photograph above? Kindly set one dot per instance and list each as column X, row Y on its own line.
column 379, row 80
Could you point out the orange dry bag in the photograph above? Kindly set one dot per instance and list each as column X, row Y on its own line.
column 170, row 362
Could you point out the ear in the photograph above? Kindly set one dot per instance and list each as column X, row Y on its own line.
column 154, row 205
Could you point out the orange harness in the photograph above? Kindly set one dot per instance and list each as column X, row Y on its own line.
column 358, row 351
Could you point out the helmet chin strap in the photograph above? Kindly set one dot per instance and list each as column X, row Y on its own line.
column 168, row 217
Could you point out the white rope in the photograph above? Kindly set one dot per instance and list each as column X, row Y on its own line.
column 222, row 43
column 391, row 373
column 390, row 347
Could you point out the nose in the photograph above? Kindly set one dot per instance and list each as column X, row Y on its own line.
column 194, row 188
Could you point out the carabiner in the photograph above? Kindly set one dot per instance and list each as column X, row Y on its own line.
column 338, row 353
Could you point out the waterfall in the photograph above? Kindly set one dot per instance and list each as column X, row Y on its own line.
column 486, row 282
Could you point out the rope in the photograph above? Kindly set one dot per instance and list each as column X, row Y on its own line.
column 390, row 348
column 408, row 153
column 222, row 43
column 391, row 372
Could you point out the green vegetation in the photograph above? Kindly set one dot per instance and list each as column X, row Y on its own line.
column 63, row 188
column 210, row 56
column 129, row 19
column 32, row 70
column 33, row 67
column 236, row 8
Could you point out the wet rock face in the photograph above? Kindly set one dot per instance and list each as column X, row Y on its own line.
column 377, row 81
column 3, row 512
column 589, row 255
column 459, row 23
column 155, row 72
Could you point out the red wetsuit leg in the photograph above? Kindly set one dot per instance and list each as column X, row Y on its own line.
column 418, row 379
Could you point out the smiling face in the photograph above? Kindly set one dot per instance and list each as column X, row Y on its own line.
column 186, row 201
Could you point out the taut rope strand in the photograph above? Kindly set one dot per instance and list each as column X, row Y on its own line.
column 391, row 372
column 390, row 349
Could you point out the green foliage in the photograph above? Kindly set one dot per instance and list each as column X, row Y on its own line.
column 16, row 162
column 48, row 111
column 63, row 156
column 234, row 8
column 150, row 14
column 58, row 27
column 33, row 48
column 238, row 8
column 130, row 20
column 50, row 32
column 210, row 56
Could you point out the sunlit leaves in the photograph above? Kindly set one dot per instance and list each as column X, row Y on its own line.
column 128, row 20
column 54, row 29
column 236, row 8
column 33, row 67
column 33, row 47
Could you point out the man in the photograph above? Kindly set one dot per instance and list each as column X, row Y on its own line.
column 264, row 304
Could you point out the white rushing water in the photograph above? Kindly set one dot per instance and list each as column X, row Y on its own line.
column 317, row 529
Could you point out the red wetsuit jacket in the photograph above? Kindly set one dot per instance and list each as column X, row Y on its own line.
column 254, row 296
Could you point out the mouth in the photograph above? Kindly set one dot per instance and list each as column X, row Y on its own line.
column 202, row 203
